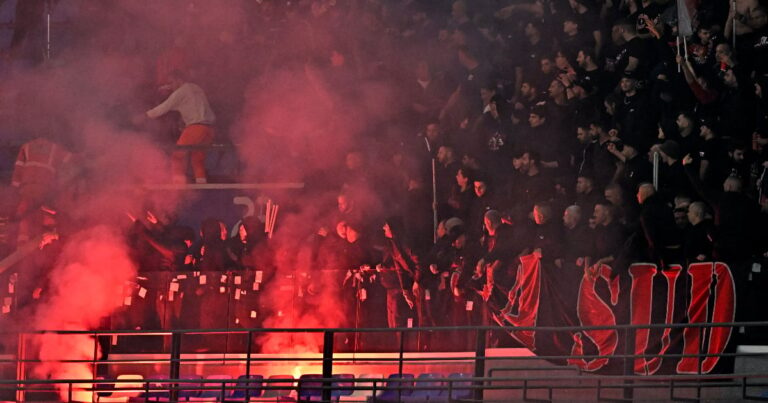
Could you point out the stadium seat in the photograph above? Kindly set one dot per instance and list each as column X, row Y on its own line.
column 309, row 387
column 105, row 388
column 211, row 395
column 390, row 393
column 190, row 388
column 255, row 383
column 425, row 381
column 343, row 386
column 459, row 390
column 283, row 385
column 158, row 394
column 127, row 386
column 358, row 395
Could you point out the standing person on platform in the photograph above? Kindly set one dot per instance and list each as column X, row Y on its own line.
column 190, row 101
column 36, row 175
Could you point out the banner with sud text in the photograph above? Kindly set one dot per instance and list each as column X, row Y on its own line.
column 642, row 294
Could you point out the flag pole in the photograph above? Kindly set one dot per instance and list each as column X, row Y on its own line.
column 48, row 11
column 733, row 25
column 268, row 216
column 434, row 192
column 656, row 170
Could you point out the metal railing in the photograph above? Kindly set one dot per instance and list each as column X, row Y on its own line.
column 482, row 383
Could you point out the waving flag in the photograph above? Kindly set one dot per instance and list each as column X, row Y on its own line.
column 684, row 26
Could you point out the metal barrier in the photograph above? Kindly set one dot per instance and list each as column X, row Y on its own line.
column 483, row 384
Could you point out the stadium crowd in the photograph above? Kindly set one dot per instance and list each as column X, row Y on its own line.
column 538, row 124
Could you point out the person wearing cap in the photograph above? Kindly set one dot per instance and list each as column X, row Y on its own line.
column 634, row 113
column 581, row 102
column 633, row 169
column 192, row 104
column 670, row 151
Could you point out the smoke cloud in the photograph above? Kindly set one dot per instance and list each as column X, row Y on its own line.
column 317, row 95
column 319, row 303
column 294, row 88
column 85, row 287
column 83, row 100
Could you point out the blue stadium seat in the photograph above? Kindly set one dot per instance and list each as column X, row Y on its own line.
column 425, row 381
column 360, row 395
column 216, row 395
column 390, row 394
column 342, row 387
column 157, row 394
column 253, row 381
column 190, row 388
column 283, row 386
column 459, row 388
column 310, row 387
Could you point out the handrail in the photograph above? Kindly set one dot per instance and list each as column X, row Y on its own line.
column 157, row 384
column 394, row 329
column 478, row 386
column 396, row 359
column 469, row 384
column 585, row 376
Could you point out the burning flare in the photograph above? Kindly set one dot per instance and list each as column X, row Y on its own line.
column 85, row 287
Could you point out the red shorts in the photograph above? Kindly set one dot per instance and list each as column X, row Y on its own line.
column 194, row 135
